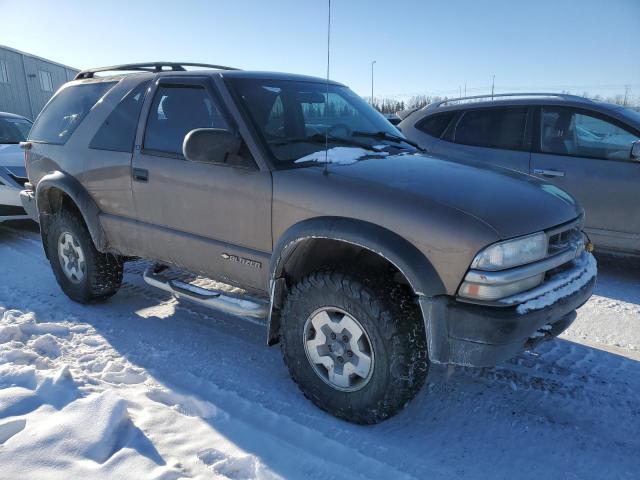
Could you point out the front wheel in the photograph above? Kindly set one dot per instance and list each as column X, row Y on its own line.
column 83, row 273
column 356, row 347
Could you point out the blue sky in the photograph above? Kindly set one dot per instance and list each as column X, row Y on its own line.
column 420, row 46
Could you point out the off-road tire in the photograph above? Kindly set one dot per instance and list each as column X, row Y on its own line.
column 104, row 271
column 389, row 315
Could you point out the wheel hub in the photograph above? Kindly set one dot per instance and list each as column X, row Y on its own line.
column 338, row 349
column 71, row 258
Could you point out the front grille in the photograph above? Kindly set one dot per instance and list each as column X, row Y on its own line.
column 563, row 239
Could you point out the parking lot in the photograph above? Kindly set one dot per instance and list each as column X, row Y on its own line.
column 192, row 379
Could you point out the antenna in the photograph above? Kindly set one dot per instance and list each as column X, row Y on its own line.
column 326, row 102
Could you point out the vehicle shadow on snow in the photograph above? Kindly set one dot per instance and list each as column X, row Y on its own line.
column 622, row 277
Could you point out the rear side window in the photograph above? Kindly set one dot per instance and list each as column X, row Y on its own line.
column 435, row 125
column 175, row 111
column 64, row 113
column 493, row 127
column 118, row 131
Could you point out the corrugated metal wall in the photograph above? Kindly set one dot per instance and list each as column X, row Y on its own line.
column 26, row 79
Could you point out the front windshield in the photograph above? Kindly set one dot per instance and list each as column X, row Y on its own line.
column 14, row 130
column 634, row 115
column 293, row 118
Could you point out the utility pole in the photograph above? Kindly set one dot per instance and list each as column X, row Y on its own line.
column 465, row 88
column 372, row 63
column 493, row 83
column 626, row 95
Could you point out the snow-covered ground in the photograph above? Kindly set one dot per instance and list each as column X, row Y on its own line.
column 145, row 387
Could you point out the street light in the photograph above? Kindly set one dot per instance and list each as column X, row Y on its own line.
column 372, row 82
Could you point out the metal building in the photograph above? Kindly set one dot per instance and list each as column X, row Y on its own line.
column 27, row 81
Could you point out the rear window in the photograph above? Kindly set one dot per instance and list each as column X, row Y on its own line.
column 118, row 131
column 66, row 110
column 493, row 128
column 435, row 125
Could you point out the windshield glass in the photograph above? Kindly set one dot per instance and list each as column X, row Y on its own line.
column 634, row 115
column 14, row 130
column 293, row 118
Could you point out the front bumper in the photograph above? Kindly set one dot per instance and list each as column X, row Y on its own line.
column 28, row 199
column 481, row 336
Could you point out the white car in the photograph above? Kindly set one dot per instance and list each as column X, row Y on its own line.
column 13, row 175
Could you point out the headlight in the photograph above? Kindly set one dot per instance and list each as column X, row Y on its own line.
column 512, row 253
column 490, row 292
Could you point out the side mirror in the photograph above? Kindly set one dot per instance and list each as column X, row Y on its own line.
column 635, row 151
column 212, row 145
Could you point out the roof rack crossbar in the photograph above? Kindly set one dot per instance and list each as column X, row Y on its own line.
column 148, row 67
column 499, row 95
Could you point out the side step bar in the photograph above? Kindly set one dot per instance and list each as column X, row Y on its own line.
column 239, row 306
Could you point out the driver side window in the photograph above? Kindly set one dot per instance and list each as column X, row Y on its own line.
column 176, row 110
column 566, row 131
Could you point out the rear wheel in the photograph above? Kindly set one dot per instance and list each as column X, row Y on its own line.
column 356, row 347
column 83, row 273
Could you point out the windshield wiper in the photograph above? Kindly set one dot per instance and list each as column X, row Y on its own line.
column 319, row 138
column 382, row 135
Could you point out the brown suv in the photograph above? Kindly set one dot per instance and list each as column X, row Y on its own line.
column 368, row 258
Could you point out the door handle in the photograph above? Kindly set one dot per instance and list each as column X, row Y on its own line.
column 140, row 174
column 548, row 173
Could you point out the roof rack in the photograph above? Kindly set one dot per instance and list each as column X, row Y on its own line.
column 148, row 67
column 565, row 96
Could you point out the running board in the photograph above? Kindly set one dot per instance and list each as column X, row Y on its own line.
column 238, row 306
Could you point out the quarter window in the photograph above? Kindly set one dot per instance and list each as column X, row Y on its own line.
column 176, row 110
column 46, row 80
column 435, row 125
column 118, row 131
column 66, row 110
column 565, row 131
column 493, row 127
column 4, row 71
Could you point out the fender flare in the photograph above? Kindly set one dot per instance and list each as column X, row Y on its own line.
column 79, row 195
column 413, row 264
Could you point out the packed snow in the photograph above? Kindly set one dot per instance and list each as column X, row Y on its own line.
column 341, row 155
column 560, row 286
column 144, row 386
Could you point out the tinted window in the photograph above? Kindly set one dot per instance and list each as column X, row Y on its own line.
column 565, row 131
column 118, row 131
column 176, row 110
column 436, row 124
column 64, row 113
column 13, row 130
column 494, row 128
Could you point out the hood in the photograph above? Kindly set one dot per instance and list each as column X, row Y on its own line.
column 11, row 155
column 512, row 203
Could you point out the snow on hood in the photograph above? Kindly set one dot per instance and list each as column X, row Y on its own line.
column 340, row 155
